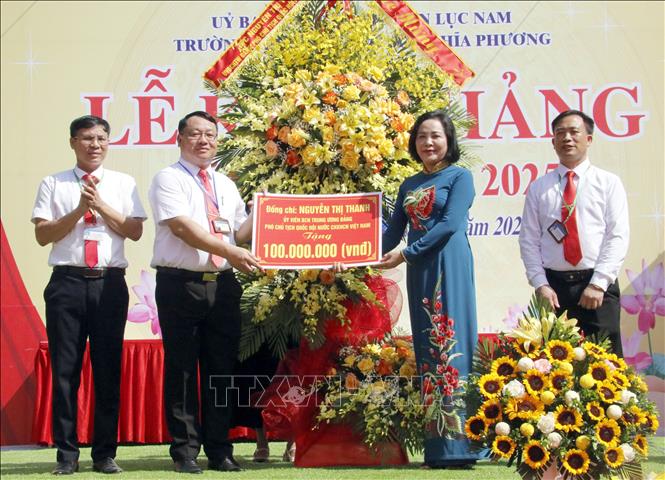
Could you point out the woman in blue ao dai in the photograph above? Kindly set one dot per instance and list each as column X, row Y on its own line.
column 435, row 205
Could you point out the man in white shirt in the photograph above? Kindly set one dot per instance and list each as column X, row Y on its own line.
column 86, row 213
column 199, row 218
column 575, row 232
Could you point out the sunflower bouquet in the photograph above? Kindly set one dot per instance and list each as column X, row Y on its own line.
column 545, row 397
column 324, row 106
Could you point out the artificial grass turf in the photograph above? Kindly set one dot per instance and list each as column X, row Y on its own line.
column 153, row 462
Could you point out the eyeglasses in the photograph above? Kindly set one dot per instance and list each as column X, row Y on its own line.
column 88, row 139
column 196, row 135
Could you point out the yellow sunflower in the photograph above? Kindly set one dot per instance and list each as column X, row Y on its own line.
column 608, row 393
column 576, row 461
column 595, row 411
column 560, row 379
column 526, row 408
column 491, row 410
column 641, row 445
column 634, row 415
column 567, row 419
column 607, row 432
column 652, row 422
column 599, row 371
column 593, row 349
column 619, row 379
column 490, row 385
column 475, row 427
column 559, row 351
column 619, row 363
column 531, row 352
column 535, row 381
column 535, row 455
column 504, row 367
column 503, row 446
column 614, row 457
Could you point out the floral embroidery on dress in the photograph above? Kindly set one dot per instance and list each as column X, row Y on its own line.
column 418, row 205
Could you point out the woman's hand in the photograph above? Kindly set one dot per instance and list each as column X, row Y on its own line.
column 391, row 260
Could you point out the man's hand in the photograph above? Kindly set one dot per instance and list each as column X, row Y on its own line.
column 90, row 197
column 546, row 292
column 242, row 259
column 592, row 297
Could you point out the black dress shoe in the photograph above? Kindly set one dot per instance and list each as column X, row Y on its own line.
column 188, row 465
column 106, row 465
column 65, row 468
column 226, row 464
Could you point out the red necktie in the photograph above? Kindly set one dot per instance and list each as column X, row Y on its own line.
column 91, row 257
column 572, row 251
column 213, row 214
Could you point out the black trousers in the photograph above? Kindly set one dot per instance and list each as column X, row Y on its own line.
column 78, row 308
column 200, row 322
column 604, row 320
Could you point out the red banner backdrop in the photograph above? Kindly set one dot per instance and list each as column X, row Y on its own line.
column 21, row 332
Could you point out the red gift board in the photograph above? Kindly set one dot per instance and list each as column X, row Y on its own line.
column 315, row 231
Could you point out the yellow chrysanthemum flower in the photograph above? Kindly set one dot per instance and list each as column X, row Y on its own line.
column 526, row 408
column 558, row 350
column 560, row 379
column 475, row 427
column 372, row 349
column 490, row 385
column 349, row 360
column 595, row 411
column 535, row 455
column 576, row 461
column 491, row 410
column 366, row 365
column 599, row 371
column 535, row 381
column 567, row 419
column 607, row 432
column 503, row 446
column 614, row 457
column 504, row 367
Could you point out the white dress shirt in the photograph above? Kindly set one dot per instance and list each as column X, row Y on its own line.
column 178, row 191
column 60, row 194
column 602, row 224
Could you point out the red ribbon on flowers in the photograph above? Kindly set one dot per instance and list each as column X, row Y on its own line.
column 428, row 41
column 366, row 322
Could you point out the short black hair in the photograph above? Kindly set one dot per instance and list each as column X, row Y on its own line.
column 88, row 121
column 453, row 153
column 588, row 121
column 199, row 113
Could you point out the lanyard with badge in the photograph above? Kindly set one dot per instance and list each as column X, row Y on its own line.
column 92, row 229
column 558, row 229
column 219, row 224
